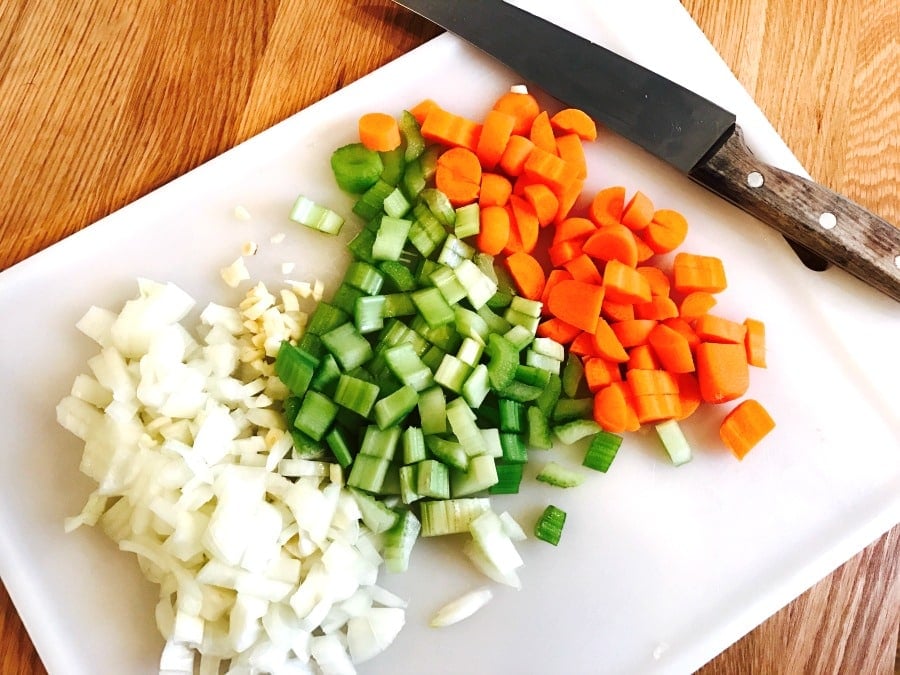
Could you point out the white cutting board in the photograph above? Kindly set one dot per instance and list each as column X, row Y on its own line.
column 659, row 568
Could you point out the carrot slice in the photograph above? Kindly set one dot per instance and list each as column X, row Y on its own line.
column 617, row 311
column 688, row 394
column 672, row 349
column 745, row 426
column 563, row 252
column 447, row 128
column 624, row 284
column 692, row 272
column 517, row 151
column 575, row 121
column 558, row 330
column 607, row 344
column 569, row 147
column 599, row 373
column 554, row 277
column 647, row 382
column 543, row 201
column 541, row 133
column 514, row 241
column 523, row 107
column 527, row 274
column 666, row 231
column 638, row 212
column 684, row 328
column 556, row 173
column 526, row 222
column 614, row 408
column 642, row 357
column 613, row 242
column 607, row 206
column 458, row 175
column 567, row 198
column 495, row 190
column 422, row 108
column 659, row 282
column 722, row 371
column 582, row 268
column 696, row 304
column 577, row 303
column 493, row 230
column 573, row 228
column 660, row 308
column 633, row 332
column 755, row 342
column 495, row 132
column 712, row 328
column 379, row 131
column 583, row 345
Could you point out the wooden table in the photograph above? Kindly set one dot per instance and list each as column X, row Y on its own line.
column 104, row 100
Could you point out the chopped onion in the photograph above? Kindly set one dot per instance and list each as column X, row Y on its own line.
column 461, row 608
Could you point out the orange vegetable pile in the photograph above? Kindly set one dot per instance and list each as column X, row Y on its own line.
column 641, row 321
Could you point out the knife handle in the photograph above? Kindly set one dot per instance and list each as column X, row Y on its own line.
column 813, row 216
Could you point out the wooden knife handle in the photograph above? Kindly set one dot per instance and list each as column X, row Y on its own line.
column 813, row 216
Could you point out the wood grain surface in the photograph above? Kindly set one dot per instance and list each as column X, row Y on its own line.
column 103, row 100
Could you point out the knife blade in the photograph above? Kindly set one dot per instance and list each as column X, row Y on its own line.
column 682, row 128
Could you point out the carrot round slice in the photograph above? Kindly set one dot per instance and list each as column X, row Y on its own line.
column 745, row 426
column 495, row 132
column 575, row 121
column 379, row 131
column 544, row 202
column 523, row 107
column 527, row 274
column 666, row 231
column 458, row 175
column 493, row 232
column 607, row 206
column 638, row 212
column 577, row 303
column 612, row 242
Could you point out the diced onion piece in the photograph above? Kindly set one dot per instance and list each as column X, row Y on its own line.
column 461, row 608
column 235, row 273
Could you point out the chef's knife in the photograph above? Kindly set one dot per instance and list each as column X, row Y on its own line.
column 680, row 127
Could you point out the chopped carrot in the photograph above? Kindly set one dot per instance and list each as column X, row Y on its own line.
column 614, row 408
column 493, row 232
column 458, row 175
column 554, row 172
column 681, row 326
column 583, row 345
column 577, row 303
column 558, row 330
column 543, row 201
column 517, row 151
column 745, row 426
column 755, row 342
column 646, row 382
column 607, row 206
column 712, row 328
column 607, row 344
column 573, row 228
column 523, row 107
column 575, row 121
column 567, row 198
column 495, row 190
column 613, row 242
column 495, row 133
column 692, row 272
column 582, row 268
column 554, row 277
column 527, row 274
column 599, row 373
column 722, row 371
column 569, row 147
column 688, row 394
column 422, row 108
column 624, row 284
column 672, row 349
column 644, row 252
column 696, row 304
column 638, row 212
column 654, row 408
column 541, row 133
column 666, row 232
column 514, row 241
column 563, row 252
column 642, row 357
column 379, row 131
column 660, row 307
column 450, row 129
column 659, row 282
column 526, row 222
column 633, row 332
column 617, row 311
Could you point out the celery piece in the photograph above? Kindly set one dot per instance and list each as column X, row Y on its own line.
column 433, row 357
column 406, row 365
column 290, row 408
column 355, row 394
column 558, row 475
column 316, row 414
column 433, row 479
column 567, row 409
column 364, row 276
column 602, row 451
column 337, row 442
column 542, row 361
column 345, row 298
column 295, row 368
column 549, row 526
column 413, row 181
column 573, row 431
column 572, row 375
column 375, row 515
column 451, row 516
column 549, row 348
column 348, row 346
column 674, row 442
column 367, row 472
column 390, row 238
column 463, row 425
column 491, row 437
column 452, row 373
column 527, row 307
column 305, row 447
column 433, row 307
column 468, row 221
column 369, row 205
column 512, row 415
column 398, row 304
column 325, row 317
column 409, row 483
column 399, row 542
column 495, row 322
column 446, row 282
column 519, row 391
column 549, row 395
column 361, row 245
column 519, row 336
column 444, row 336
column 396, row 204
column 500, row 300
column 476, row 386
column 479, row 287
column 449, row 452
column 394, row 164
column 392, row 409
column 355, row 167
column 312, row 344
column 514, row 449
column 368, row 314
column 509, row 478
column 390, row 486
column 413, row 443
column 454, row 251
column 433, row 410
column 470, row 351
column 517, row 318
column 312, row 215
column 380, row 442
column 470, row 325
column 478, row 477
column 503, row 360
column 439, row 205
column 538, row 434
column 397, row 276
column 410, row 131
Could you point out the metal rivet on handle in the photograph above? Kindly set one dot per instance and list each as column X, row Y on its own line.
column 827, row 220
column 897, row 262
column 755, row 179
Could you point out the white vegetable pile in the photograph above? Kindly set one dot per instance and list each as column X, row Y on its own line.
column 262, row 561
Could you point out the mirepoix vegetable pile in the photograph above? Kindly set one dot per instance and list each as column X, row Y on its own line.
column 265, row 466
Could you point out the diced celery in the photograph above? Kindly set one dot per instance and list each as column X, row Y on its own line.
column 295, row 368
column 348, row 346
column 549, row 395
column 308, row 213
column 517, row 318
column 503, row 360
column 452, row 373
column 511, row 415
column 433, row 307
column 526, row 306
column 572, row 375
column 375, row 515
column 390, row 238
column 408, row 367
column 413, row 442
column 345, row 298
column 495, row 322
column 468, row 221
column 602, row 451
column 396, row 205
column 674, row 442
column 446, row 282
column 326, row 317
column 398, row 304
column 509, row 478
column 462, row 424
column 367, row 472
column 339, row 446
column 491, row 436
column 479, row 287
column 514, row 449
column 411, row 133
column 368, row 315
column 549, row 347
column 469, row 324
column 439, row 205
column 481, row 475
column 519, row 336
column 449, row 452
column 550, row 525
column 355, row 394
column 316, row 414
column 433, row 479
column 361, row 245
column 470, row 351
column 364, row 276
column 476, row 386
column 451, row 516
column 355, row 167
column 539, row 435
column 409, row 483
column 394, row 163
column 397, row 276
column 454, row 251
column 567, row 409
column 399, row 542
column 558, row 475
column 380, row 442
column 371, row 202
column 392, row 409
column 574, row 431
